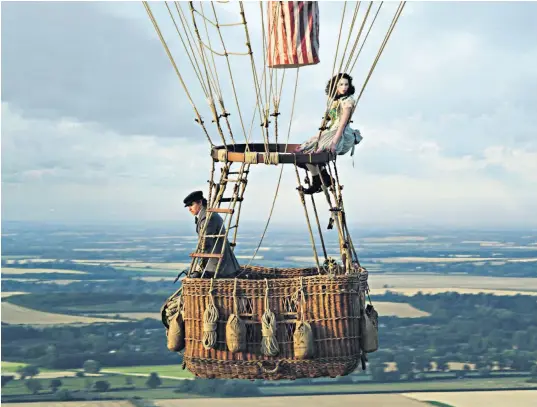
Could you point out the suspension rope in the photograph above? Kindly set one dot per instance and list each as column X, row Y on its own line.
column 230, row 76
column 276, row 101
column 317, row 220
column 386, row 38
column 189, row 33
column 356, row 10
column 165, row 45
column 219, row 89
column 215, row 81
column 254, row 74
column 195, row 65
column 280, row 177
column 215, row 23
column 344, row 220
column 366, row 36
column 211, row 97
column 358, row 36
column 224, row 113
column 264, row 48
column 223, row 54
column 301, row 194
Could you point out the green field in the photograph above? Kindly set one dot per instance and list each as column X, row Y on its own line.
column 465, row 384
column 162, row 370
column 17, row 387
column 119, row 389
column 11, row 367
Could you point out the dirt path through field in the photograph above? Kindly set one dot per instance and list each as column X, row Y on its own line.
column 16, row 315
column 369, row 400
column 518, row 398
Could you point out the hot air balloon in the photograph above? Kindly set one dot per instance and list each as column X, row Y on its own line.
column 267, row 322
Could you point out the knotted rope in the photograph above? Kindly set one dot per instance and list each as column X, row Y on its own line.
column 300, row 296
column 174, row 306
column 250, row 157
column 269, row 343
column 222, row 155
column 272, row 158
column 210, row 317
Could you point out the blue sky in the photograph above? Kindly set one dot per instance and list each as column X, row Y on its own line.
column 96, row 126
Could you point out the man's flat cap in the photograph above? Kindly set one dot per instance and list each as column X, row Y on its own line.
column 193, row 197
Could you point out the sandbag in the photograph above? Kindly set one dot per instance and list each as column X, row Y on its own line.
column 235, row 334
column 369, row 338
column 175, row 334
column 303, row 344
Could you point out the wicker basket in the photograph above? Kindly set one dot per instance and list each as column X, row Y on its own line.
column 330, row 304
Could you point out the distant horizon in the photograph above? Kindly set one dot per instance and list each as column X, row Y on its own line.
column 369, row 227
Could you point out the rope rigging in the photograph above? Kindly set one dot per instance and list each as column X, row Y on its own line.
column 281, row 172
column 268, row 88
column 195, row 65
column 282, row 323
column 366, row 36
column 165, row 45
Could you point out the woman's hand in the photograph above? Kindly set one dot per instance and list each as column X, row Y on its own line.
column 333, row 146
column 334, row 143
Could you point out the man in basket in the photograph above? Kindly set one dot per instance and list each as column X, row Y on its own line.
column 229, row 267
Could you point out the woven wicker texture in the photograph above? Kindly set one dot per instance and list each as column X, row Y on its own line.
column 331, row 305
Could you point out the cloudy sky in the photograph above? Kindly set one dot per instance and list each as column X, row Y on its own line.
column 96, row 126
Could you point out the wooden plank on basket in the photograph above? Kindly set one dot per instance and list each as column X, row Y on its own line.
column 207, row 255
column 220, row 210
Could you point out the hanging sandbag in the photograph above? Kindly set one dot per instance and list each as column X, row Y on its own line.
column 172, row 318
column 303, row 340
column 293, row 34
column 235, row 328
column 303, row 344
column 369, row 340
column 175, row 334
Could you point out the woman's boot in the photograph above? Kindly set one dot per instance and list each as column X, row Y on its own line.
column 315, row 186
column 327, row 179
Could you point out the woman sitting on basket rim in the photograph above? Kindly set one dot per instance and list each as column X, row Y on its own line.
column 338, row 138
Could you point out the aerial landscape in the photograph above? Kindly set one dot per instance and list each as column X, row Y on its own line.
column 446, row 308
column 270, row 203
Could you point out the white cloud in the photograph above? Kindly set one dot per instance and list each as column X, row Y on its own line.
column 85, row 172
column 448, row 124
column 67, row 150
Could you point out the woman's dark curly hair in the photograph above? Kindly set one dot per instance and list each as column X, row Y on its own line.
column 335, row 80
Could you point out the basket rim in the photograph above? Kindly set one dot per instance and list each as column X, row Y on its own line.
column 335, row 277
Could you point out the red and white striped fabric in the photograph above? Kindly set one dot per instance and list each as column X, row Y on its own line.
column 293, row 36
